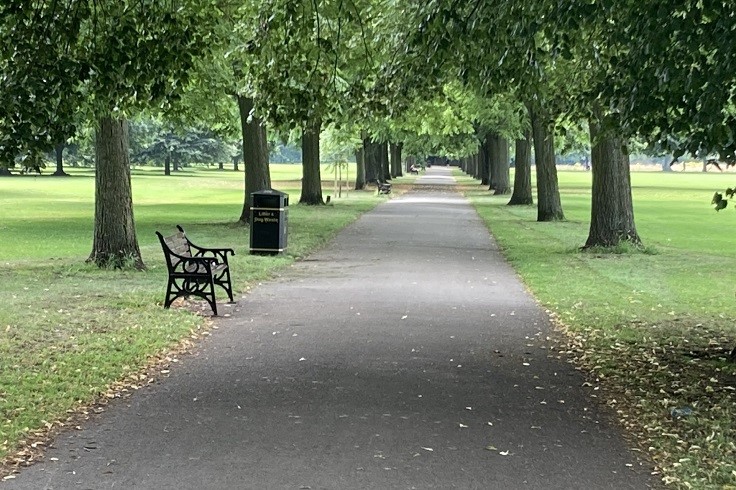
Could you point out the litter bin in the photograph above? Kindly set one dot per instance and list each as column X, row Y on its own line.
column 268, row 219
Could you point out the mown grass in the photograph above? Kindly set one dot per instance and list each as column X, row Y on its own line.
column 655, row 327
column 69, row 331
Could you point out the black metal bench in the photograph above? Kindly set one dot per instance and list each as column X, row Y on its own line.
column 194, row 270
column 383, row 187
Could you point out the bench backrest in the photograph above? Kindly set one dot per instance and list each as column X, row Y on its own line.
column 176, row 243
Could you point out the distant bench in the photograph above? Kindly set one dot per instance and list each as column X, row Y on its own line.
column 194, row 274
column 383, row 187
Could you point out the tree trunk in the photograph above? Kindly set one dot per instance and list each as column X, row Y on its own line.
column 499, row 160
column 167, row 164
column 410, row 160
column 360, row 168
column 255, row 155
column 549, row 207
column 59, row 150
column 484, row 162
column 372, row 158
column 385, row 170
column 115, row 243
column 311, row 179
column 612, row 210
column 396, row 168
column 523, row 171
column 221, row 166
column 490, row 146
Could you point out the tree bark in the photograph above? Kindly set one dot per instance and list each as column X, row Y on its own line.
column 372, row 159
column 59, row 150
column 167, row 164
column 489, row 146
column 311, row 179
column 115, row 243
column 360, row 168
column 410, row 160
column 612, row 210
column 499, row 164
column 255, row 154
column 549, row 207
column 484, row 162
column 396, row 168
column 385, row 170
column 473, row 171
column 523, row 172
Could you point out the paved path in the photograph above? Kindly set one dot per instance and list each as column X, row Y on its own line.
column 404, row 355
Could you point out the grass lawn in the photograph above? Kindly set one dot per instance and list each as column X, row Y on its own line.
column 654, row 328
column 71, row 334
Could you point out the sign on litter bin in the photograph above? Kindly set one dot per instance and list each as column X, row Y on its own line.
column 268, row 220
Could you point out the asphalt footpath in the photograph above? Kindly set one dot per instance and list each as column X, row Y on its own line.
column 404, row 355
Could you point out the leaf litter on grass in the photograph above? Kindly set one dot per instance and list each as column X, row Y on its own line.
column 669, row 370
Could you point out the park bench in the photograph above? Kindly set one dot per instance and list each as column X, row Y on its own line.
column 383, row 187
column 194, row 270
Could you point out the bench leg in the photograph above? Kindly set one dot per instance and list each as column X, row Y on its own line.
column 223, row 280
column 204, row 289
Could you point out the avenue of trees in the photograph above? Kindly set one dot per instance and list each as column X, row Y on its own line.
column 389, row 80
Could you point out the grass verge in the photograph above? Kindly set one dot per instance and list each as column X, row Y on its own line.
column 653, row 328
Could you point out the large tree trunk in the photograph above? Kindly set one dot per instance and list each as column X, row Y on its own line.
column 396, row 168
column 115, row 243
column 523, row 171
column 59, row 150
column 167, row 164
column 612, row 209
column 499, row 168
column 549, row 207
column 255, row 155
column 484, row 162
column 385, row 170
column 311, row 179
column 360, row 168
column 372, row 158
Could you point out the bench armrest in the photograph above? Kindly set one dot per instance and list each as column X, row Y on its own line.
column 193, row 265
column 219, row 253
